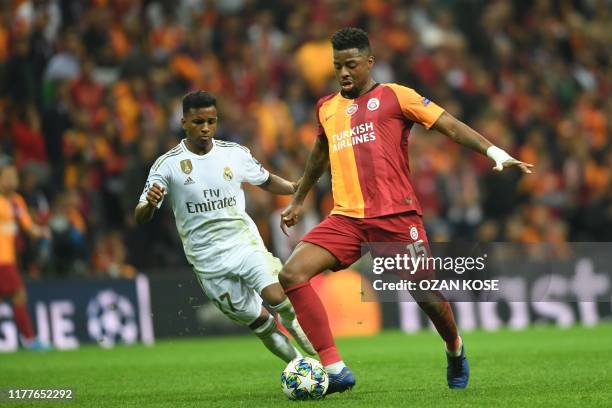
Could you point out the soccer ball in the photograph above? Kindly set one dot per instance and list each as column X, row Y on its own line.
column 304, row 378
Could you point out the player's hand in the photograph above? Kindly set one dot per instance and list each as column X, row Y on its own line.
column 155, row 194
column 525, row 167
column 290, row 216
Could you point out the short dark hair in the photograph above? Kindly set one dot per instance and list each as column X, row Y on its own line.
column 198, row 99
column 351, row 37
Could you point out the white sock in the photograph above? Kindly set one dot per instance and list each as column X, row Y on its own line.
column 286, row 317
column 275, row 341
column 335, row 368
column 285, row 311
column 457, row 352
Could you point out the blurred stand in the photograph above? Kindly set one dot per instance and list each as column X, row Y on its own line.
column 90, row 93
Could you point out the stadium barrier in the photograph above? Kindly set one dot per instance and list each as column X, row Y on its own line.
column 66, row 314
column 109, row 312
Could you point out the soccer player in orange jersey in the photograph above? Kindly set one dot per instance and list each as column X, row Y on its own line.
column 13, row 215
column 363, row 136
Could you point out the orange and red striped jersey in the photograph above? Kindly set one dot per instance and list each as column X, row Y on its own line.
column 368, row 148
column 13, row 212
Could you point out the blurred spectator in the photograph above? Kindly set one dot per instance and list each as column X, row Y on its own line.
column 310, row 56
column 69, row 230
column 28, row 141
column 109, row 257
column 91, row 92
column 64, row 64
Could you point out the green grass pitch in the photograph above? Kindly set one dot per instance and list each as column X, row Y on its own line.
column 538, row 367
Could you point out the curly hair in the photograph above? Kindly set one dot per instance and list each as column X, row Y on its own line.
column 351, row 37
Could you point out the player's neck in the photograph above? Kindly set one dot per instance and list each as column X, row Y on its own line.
column 199, row 151
column 369, row 85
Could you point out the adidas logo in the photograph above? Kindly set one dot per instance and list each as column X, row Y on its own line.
column 189, row 181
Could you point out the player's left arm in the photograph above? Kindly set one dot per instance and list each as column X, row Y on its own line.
column 278, row 185
column 253, row 172
column 461, row 133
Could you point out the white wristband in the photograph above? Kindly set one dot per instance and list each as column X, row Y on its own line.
column 499, row 156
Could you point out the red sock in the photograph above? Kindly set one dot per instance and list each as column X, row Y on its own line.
column 22, row 319
column 312, row 316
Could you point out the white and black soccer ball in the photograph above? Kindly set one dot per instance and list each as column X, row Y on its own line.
column 111, row 318
column 304, row 378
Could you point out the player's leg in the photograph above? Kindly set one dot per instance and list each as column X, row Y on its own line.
column 307, row 261
column 439, row 311
column 24, row 322
column 409, row 228
column 266, row 329
column 241, row 304
column 274, row 295
column 333, row 244
column 22, row 316
column 260, row 271
column 12, row 286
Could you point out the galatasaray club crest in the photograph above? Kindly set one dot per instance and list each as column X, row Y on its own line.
column 414, row 233
column 227, row 174
column 373, row 104
column 186, row 166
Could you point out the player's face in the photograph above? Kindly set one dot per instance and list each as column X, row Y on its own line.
column 352, row 69
column 200, row 126
column 9, row 179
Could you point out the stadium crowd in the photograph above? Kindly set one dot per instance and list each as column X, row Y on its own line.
column 90, row 95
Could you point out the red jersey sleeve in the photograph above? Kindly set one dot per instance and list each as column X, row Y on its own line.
column 415, row 107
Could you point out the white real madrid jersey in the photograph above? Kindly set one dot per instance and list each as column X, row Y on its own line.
column 207, row 199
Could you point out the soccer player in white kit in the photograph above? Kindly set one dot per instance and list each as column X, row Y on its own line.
column 202, row 179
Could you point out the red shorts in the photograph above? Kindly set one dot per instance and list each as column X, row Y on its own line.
column 343, row 236
column 10, row 280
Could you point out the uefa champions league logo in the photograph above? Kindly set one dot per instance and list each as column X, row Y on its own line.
column 111, row 318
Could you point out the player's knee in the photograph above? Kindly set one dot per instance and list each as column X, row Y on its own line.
column 290, row 276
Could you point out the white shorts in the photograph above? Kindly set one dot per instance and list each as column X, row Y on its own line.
column 237, row 293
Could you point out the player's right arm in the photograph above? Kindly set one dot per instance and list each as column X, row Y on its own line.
column 154, row 191
column 318, row 162
column 145, row 209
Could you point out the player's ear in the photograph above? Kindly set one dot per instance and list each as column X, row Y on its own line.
column 371, row 61
column 183, row 123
